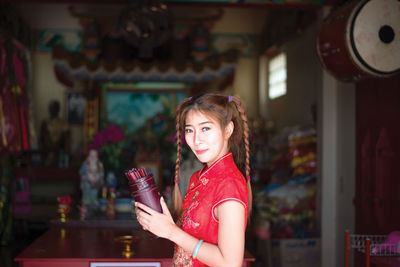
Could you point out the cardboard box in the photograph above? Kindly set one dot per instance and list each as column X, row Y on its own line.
column 296, row 252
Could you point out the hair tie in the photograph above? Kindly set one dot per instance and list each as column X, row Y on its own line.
column 189, row 98
column 229, row 98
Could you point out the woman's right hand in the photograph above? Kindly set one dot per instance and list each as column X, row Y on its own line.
column 160, row 224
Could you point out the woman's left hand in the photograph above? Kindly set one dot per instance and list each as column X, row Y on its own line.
column 160, row 224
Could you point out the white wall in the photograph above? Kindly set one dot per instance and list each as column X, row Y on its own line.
column 336, row 155
column 303, row 82
column 328, row 161
column 346, row 165
column 245, row 84
column 337, row 168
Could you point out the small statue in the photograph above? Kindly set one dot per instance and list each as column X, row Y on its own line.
column 82, row 212
column 54, row 136
column 110, row 209
column 63, row 207
column 92, row 179
column 111, row 180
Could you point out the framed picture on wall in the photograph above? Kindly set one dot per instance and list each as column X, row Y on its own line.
column 75, row 108
column 70, row 39
column 133, row 107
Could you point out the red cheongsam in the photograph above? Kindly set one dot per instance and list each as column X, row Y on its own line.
column 208, row 188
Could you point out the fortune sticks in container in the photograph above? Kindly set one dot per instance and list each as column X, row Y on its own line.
column 135, row 174
column 143, row 188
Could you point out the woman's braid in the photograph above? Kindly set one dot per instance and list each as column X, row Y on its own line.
column 242, row 114
column 176, row 196
column 178, row 151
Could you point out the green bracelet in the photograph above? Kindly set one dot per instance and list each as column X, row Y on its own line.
column 196, row 249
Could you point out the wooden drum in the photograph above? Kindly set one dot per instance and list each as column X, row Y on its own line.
column 361, row 39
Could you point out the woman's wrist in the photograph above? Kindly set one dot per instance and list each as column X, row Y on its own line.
column 173, row 232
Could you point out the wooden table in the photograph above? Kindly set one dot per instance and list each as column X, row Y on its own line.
column 98, row 247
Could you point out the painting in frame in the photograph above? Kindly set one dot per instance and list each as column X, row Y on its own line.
column 70, row 39
column 131, row 107
column 75, row 107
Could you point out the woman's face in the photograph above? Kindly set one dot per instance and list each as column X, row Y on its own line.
column 205, row 137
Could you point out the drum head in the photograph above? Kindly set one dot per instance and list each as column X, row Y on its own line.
column 374, row 36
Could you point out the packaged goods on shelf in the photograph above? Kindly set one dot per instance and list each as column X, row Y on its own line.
column 288, row 204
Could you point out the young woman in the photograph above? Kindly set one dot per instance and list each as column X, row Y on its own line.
column 211, row 228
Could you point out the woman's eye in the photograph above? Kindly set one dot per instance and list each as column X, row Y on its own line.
column 205, row 129
column 188, row 130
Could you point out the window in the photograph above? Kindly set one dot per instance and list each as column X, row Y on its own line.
column 277, row 76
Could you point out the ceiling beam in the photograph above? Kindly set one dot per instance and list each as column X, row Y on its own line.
column 183, row 3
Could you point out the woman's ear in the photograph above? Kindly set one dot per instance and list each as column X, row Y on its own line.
column 229, row 129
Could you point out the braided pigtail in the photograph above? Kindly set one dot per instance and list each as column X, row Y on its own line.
column 176, row 196
column 242, row 114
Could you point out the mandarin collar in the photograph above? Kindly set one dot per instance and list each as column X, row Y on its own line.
column 219, row 165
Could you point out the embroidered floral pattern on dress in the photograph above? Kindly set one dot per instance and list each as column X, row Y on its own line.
column 204, row 180
column 187, row 222
column 182, row 258
column 191, row 224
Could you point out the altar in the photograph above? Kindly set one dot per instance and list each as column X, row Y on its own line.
column 81, row 244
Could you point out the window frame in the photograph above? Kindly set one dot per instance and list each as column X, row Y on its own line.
column 277, row 69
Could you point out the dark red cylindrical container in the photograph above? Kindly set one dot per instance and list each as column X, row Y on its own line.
column 144, row 190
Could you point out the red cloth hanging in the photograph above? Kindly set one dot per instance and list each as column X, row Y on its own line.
column 10, row 117
column 14, row 101
column 22, row 100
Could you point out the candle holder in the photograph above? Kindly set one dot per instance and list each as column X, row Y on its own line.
column 127, row 241
column 63, row 215
column 63, row 207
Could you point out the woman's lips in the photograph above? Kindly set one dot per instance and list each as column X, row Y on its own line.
column 199, row 152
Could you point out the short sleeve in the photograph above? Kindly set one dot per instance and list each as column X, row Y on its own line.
column 230, row 189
